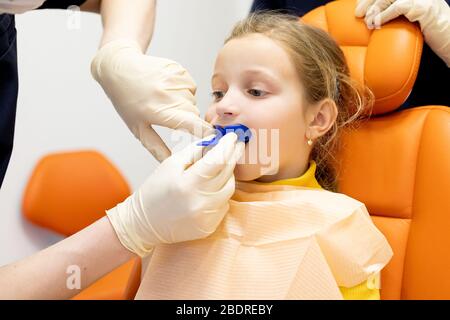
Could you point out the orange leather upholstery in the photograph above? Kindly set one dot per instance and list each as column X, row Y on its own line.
column 386, row 59
column 69, row 191
column 121, row 284
column 396, row 163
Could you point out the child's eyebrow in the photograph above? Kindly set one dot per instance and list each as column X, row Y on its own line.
column 253, row 72
column 261, row 72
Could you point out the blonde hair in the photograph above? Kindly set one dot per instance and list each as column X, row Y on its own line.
column 323, row 72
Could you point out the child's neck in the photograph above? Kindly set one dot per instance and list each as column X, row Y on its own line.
column 285, row 173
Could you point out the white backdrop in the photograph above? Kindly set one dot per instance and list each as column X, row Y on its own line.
column 61, row 107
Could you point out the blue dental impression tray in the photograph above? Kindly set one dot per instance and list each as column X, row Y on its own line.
column 243, row 133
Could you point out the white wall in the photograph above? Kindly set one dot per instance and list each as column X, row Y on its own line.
column 61, row 108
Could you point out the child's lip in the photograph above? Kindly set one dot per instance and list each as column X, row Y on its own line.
column 214, row 122
column 222, row 125
column 226, row 124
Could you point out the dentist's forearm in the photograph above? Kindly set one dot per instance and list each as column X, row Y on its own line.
column 52, row 273
column 131, row 19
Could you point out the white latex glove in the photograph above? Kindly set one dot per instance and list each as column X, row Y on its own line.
column 21, row 6
column 179, row 202
column 147, row 90
column 432, row 15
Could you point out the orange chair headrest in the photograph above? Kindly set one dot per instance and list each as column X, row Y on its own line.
column 385, row 59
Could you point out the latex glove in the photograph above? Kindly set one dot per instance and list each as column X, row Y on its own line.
column 147, row 90
column 177, row 202
column 432, row 15
column 16, row 7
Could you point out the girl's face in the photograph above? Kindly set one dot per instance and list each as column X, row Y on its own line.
column 256, row 84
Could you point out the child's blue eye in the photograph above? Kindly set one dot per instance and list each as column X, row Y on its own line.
column 217, row 95
column 256, row 92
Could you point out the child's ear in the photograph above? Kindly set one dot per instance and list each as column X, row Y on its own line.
column 323, row 115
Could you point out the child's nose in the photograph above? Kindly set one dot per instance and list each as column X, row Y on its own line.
column 227, row 108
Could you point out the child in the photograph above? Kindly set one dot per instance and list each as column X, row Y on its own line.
column 284, row 237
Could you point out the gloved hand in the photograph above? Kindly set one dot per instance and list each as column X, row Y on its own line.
column 147, row 91
column 432, row 15
column 179, row 202
column 17, row 7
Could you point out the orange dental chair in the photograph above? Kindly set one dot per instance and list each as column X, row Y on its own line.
column 397, row 163
column 69, row 191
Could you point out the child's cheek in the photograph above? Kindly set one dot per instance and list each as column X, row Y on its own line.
column 209, row 114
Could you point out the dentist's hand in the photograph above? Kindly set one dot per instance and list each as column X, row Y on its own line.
column 147, row 91
column 432, row 15
column 179, row 201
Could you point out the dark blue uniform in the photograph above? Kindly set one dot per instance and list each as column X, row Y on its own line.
column 431, row 86
column 8, row 89
column 9, row 80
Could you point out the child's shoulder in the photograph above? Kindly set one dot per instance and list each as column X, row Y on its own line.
column 328, row 195
column 329, row 201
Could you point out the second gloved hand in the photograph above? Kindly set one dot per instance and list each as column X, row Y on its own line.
column 182, row 200
column 147, row 90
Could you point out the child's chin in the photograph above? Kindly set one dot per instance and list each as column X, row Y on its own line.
column 247, row 172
